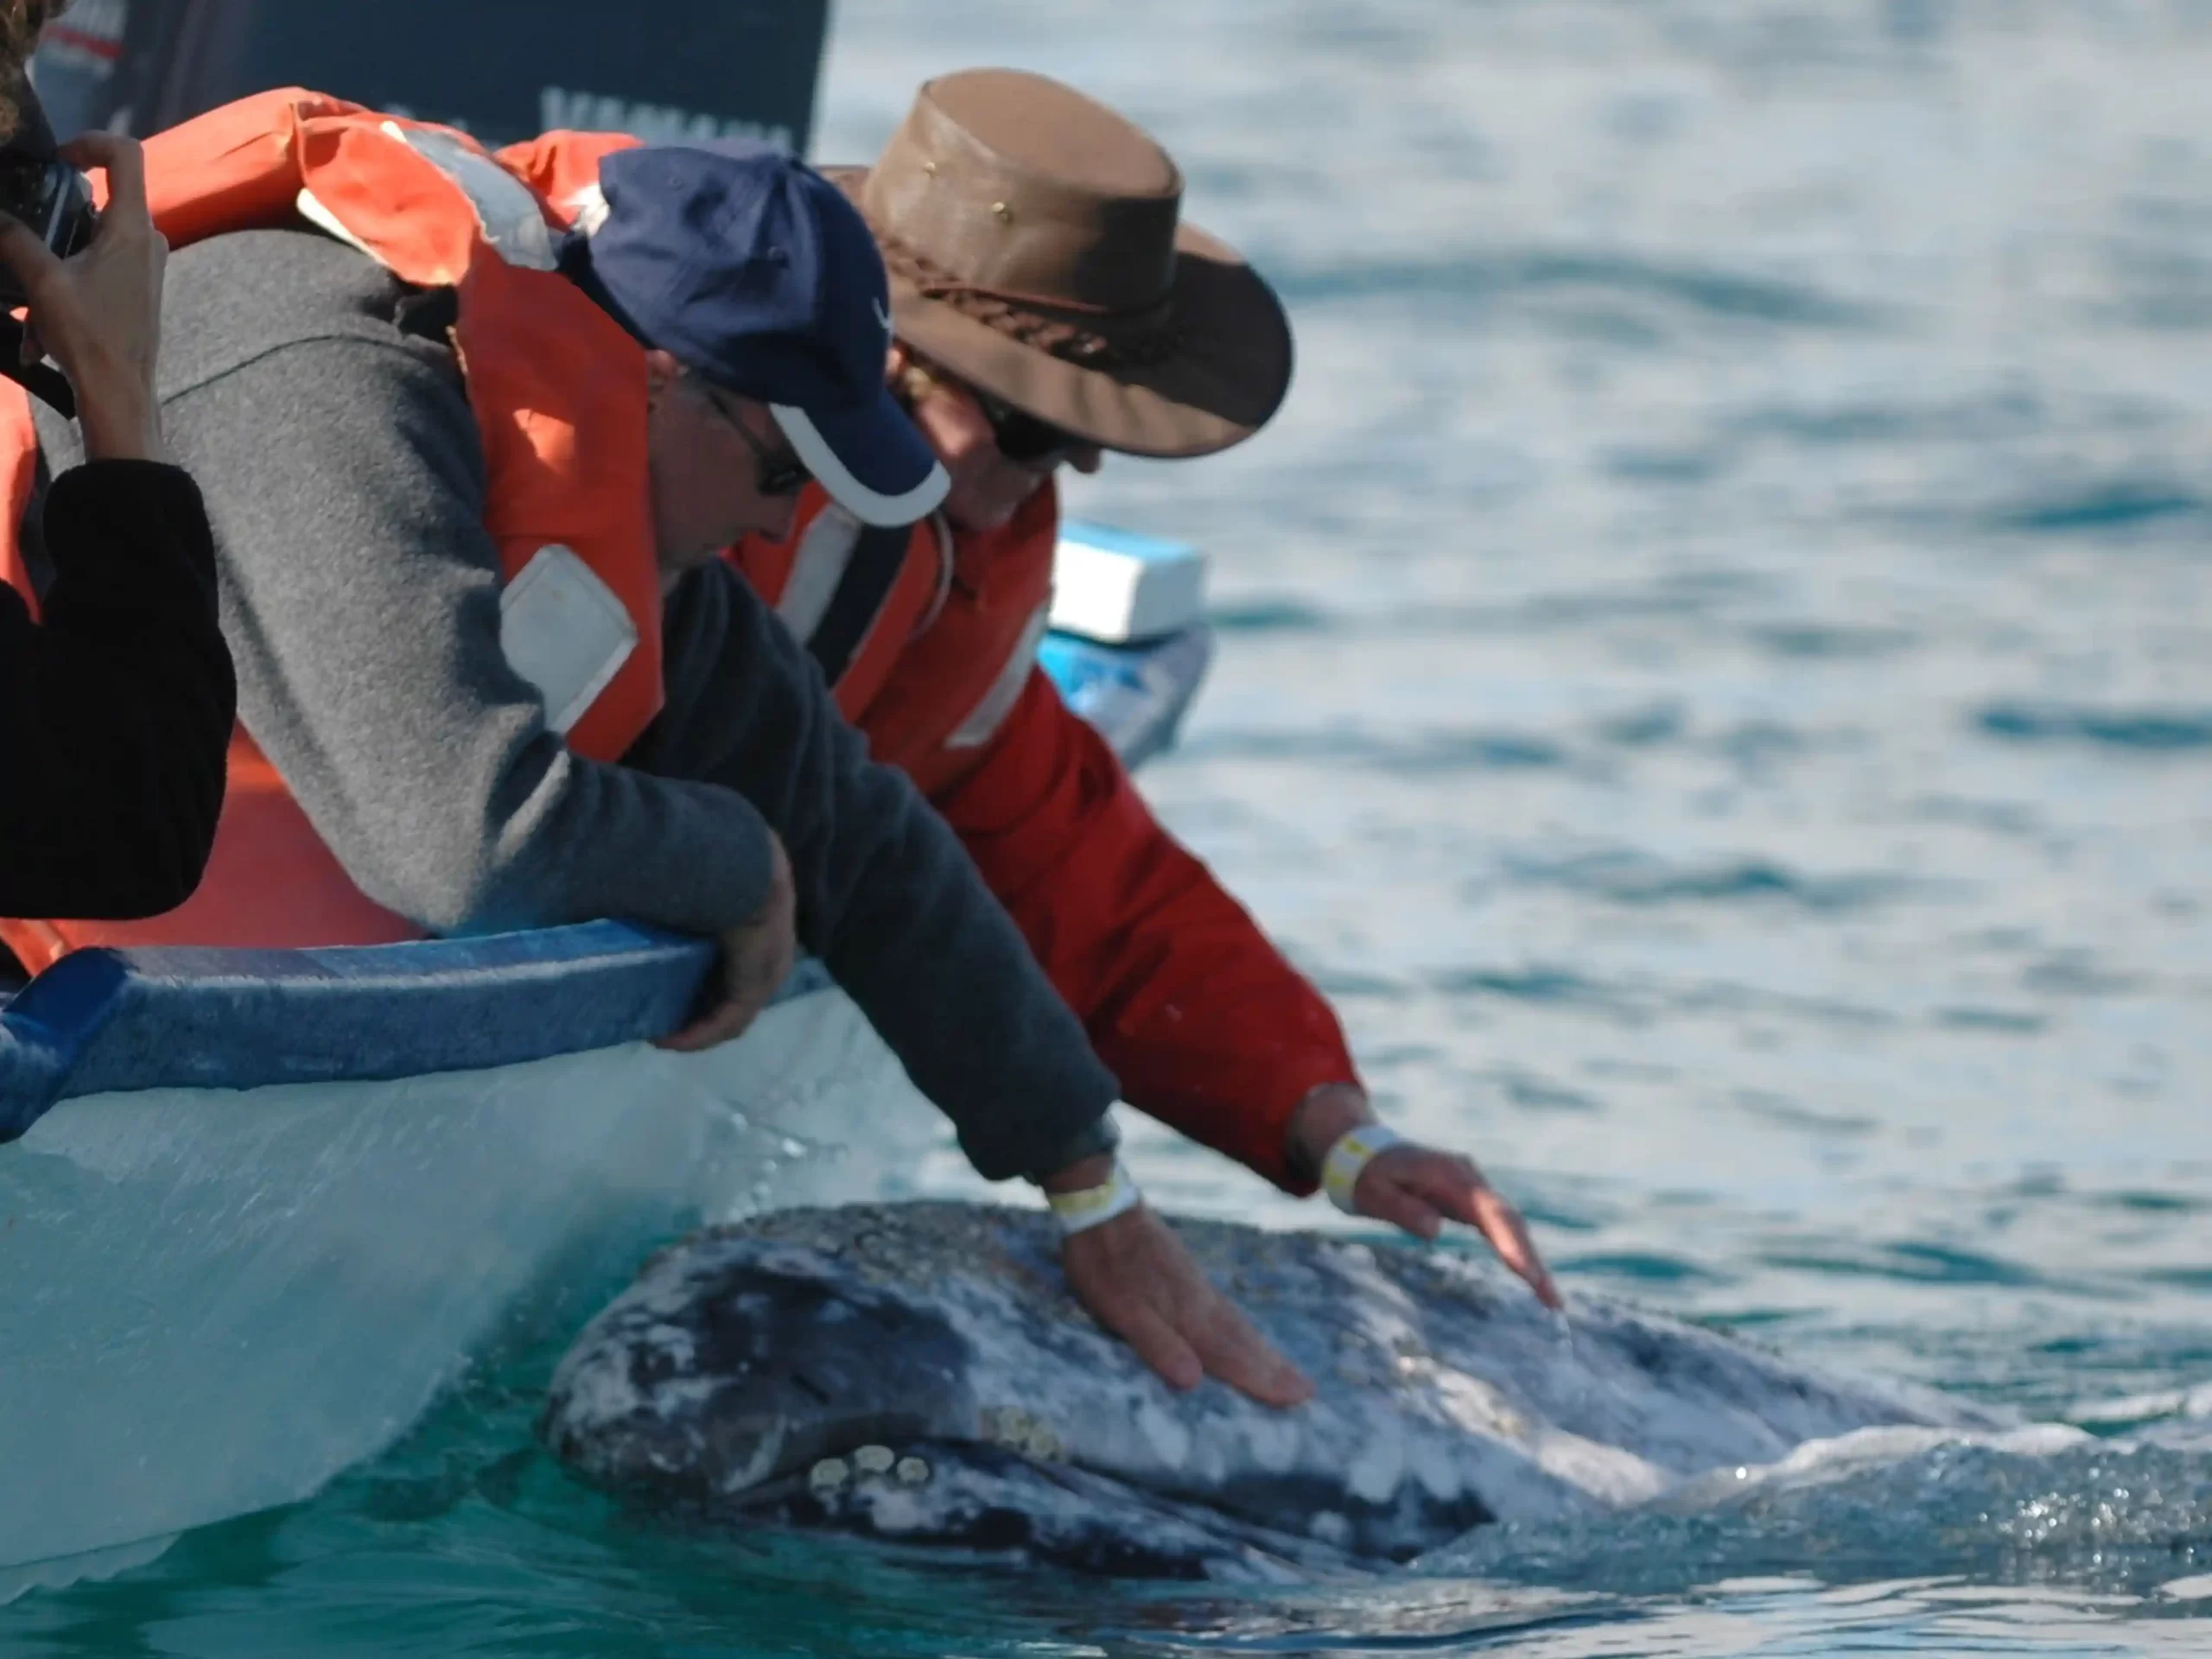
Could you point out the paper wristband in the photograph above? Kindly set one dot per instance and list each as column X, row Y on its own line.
column 1093, row 1206
column 1355, row 1148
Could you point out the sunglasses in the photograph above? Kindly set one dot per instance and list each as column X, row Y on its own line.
column 1020, row 435
column 775, row 472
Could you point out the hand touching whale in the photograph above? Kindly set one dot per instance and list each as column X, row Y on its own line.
column 1417, row 1188
column 1138, row 1281
column 1135, row 1278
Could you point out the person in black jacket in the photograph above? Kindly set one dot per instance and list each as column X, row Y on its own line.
column 115, row 706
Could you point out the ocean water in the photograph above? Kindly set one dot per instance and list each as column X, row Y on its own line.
column 1717, row 682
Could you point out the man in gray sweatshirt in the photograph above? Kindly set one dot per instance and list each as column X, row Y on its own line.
column 319, row 402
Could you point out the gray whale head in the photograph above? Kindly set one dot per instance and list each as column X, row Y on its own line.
column 727, row 1368
column 919, row 1372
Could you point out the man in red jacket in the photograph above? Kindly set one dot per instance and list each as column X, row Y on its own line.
column 1048, row 307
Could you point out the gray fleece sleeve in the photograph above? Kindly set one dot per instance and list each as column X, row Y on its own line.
column 360, row 597
column 888, row 898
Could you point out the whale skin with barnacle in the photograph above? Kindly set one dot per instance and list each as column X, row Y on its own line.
column 919, row 1373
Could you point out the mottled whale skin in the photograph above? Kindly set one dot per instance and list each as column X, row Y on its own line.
column 919, row 1372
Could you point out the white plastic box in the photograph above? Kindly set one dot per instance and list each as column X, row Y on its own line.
column 1121, row 588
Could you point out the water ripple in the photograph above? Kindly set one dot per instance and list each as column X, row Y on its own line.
column 1545, row 985
column 2095, row 1513
column 1637, row 1268
column 2156, row 731
column 1686, row 594
column 1267, row 614
column 1629, row 878
column 1831, row 641
column 2116, row 504
column 1712, row 293
column 1423, row 753
column 2011, row 1022
column 1910, row 1263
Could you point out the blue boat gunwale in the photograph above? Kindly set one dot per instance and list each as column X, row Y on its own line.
column 102, row 1020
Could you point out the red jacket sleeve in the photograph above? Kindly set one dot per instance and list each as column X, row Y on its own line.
column 1207, row 1027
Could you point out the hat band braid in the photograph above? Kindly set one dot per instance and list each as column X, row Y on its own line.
column 1129, row 337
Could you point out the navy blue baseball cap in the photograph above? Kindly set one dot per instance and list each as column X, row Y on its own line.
column 754, row 271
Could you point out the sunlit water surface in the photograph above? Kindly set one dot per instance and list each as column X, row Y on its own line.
column 1715, row 682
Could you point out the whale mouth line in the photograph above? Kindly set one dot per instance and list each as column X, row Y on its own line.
column 861, row 1466
column 978, row 1497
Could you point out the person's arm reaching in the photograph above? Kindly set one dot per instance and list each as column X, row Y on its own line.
column 886, row 897
column 1205, row 1023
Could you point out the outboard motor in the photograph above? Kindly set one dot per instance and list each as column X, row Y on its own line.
column 502, row 69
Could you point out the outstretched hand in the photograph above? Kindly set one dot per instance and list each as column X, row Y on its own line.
column 1137, row 1279
column 1419, row 1188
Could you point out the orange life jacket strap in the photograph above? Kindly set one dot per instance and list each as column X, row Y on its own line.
column 855, row 596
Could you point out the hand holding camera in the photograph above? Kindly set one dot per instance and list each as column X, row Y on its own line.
column 93, row 288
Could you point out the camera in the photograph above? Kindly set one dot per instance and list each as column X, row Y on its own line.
column 42, row 189
column 53, row 199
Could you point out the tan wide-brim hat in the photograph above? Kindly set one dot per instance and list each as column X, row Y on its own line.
column 1035, row 248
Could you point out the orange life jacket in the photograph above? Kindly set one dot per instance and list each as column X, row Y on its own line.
column 559, row 390
column 927, row 637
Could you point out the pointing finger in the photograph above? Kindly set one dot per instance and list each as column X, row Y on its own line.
column 1458, row 1188
column 1501, row 1224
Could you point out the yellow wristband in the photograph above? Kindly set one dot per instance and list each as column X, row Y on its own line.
column 1092, row 1206
column 1349, row 1158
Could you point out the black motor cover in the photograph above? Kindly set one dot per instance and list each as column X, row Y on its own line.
column 502, row 69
